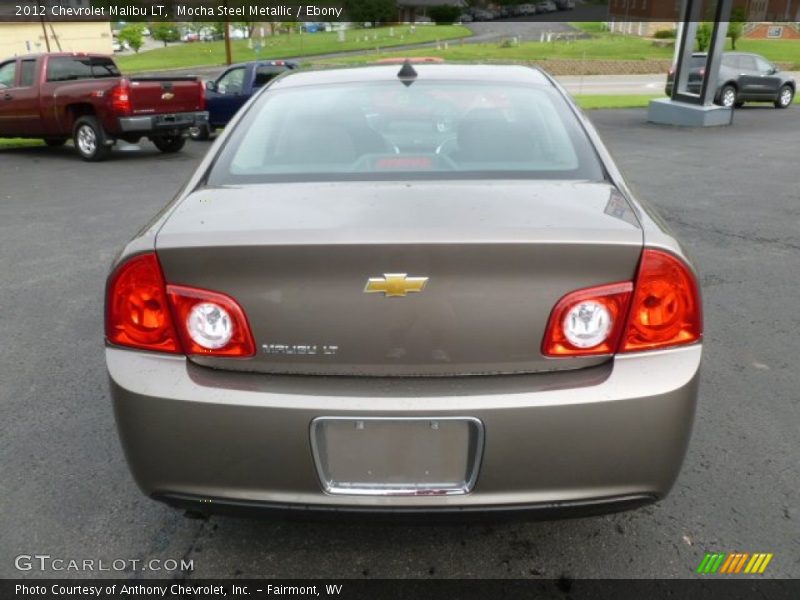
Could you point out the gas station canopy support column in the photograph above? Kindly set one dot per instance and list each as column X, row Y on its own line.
column 695, row 108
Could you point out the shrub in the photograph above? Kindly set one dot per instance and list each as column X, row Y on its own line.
column 665, row 34
column 736, row 26
column 703, row 36
column 132, row 35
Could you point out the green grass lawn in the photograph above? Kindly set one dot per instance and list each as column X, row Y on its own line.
column 19, row 143
column 783, row 51
column 283, row 46
column 596, row 101
column 593, row 101
column 591, row 26
column 602, row 46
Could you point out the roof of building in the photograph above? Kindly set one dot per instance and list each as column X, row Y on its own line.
column 430, row 3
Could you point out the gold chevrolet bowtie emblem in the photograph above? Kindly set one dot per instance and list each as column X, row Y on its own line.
column 395, row 284
column 167, row 96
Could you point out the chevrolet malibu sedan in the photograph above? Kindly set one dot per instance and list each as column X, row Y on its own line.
column 405, row 289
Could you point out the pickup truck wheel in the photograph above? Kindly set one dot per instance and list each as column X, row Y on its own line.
column 169, row 143
column 55, row 142
column 90, row 139
column 200, row 133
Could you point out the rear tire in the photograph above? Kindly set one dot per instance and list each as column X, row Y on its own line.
column 90, row 139
column 201, row 133
column 55, row 142
column 728, row 97
column 785, row 97
column 169, row 143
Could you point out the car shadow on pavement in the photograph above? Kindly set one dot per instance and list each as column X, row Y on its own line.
column 127, row 152
column 514, row 547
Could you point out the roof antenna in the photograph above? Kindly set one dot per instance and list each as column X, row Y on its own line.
column 407, row 74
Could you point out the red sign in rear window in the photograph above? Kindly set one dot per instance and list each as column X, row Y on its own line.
column 409, row 163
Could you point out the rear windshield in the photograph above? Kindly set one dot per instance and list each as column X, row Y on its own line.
column 698, row 61
column 68, row 68
column 385, row 130
column 265, row 74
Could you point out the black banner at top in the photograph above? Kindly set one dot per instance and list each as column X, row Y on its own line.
column 609, row 11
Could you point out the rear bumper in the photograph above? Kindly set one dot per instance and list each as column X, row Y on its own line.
column 163, row 122
column 613, row 436
column 539, row 511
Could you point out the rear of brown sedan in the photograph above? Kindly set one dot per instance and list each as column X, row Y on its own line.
column 419, row 292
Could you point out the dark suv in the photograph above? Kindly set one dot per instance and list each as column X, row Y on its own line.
column 743, row 77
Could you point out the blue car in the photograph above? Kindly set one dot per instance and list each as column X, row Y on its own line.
column 230, row 91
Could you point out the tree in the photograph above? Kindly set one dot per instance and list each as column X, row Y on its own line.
column 165, row 32
column 444, row 15
column 363, row 11
column 703, row 36
column 736, row 26
column 132, row 35
column 248, row 26
column 218, row 29
column 195, row 26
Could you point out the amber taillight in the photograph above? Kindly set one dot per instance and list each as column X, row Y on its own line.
column 143, row 312
column 660, row 309
column 666, row 309
column 137, row 313
column 588, row 322
column 120, row 99
column 202, row 104
column 210, row 323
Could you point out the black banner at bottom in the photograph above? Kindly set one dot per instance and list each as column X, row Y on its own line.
column 402, row 589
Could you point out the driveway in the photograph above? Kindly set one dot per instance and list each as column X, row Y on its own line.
column 67, row 492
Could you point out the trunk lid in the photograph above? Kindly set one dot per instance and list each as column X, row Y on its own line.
column 497, row 255
column 156, row 95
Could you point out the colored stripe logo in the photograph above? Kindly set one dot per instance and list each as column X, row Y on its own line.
column 735, row 563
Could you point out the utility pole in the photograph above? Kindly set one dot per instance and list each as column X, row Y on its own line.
column 44, row 31
column 55, row 37
column 228, row 53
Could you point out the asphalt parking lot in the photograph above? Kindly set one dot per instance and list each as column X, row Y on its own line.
column 731, row 194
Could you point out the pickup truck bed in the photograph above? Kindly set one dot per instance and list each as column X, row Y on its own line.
column 84, row 97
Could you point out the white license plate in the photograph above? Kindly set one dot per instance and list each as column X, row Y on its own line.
column 397, row 456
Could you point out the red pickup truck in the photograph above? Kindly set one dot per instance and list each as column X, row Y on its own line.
column 84, row 97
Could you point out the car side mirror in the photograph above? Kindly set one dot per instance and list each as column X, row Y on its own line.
column 772, row 71
column 211, row 86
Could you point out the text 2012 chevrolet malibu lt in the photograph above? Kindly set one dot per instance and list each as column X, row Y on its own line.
column 424, row 289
